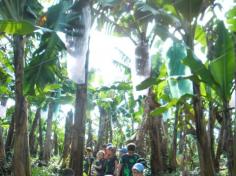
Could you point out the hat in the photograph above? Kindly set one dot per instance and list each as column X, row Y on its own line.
column 88, row 149
column 138, row 167
column 142, row 161
column 109, row 146
column 131, row 147
column 123, row 150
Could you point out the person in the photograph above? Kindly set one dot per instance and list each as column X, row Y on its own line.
column 111, row 162
column 88, row 161
column 127, row 161
column 143, row 162
column 122, row 152
column 105, row 148
column 99, row 163
column 137, row 169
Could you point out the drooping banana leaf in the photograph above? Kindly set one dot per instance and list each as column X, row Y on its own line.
column 175, row 55
column 44, row 67
column 223, row 66
column 188, row 8
column 231, row 20
column 16, row 27
column 199, row 70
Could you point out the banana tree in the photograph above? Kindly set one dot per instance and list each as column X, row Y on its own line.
column 187, row 16
column 219, row 76
column 232, row 26
column 19, row 16
column 140, row 26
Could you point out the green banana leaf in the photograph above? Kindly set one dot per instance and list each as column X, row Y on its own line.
column 223, row 66
column 175, row 55
column 16, row 27
column 199, row 69
column 231, row 20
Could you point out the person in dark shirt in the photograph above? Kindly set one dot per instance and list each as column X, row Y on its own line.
column 111, row 162
column 99, row 164
column 88, row 161
column 127, row 161
column 122, row 152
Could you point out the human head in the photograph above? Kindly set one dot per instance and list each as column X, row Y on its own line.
column 123, row 151
column 131, row 148
column 100, row 154
column 143, row 162
column 109, row 150
column 88, row 150
column 137, row 169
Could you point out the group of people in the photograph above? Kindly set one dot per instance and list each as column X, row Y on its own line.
column 107, row 163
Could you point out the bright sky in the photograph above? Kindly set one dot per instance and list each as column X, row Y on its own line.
column 103, row 51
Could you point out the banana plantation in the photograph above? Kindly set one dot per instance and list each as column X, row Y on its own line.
column 170, row 103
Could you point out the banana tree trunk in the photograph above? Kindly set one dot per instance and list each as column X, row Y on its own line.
column 164, row 145
column 157, row 165
column 21, row 157
column 77, row 150
column 2, row 150
column 67, row 138
column 101, row 128
column 203, row 143
column 82, row 50
column 32, row 131
column 173, row 161
column 48, row 141
column 110, row 129
column 10, row 133
column 234, row 136
column 156, row 133
column 107, row 129
column 219, row 150
column 227, row 125
column 40, row 139
column 56, row 147
column 141, row 137
column 211, row 125
column 89, row 142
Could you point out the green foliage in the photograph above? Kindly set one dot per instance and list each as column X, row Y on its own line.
column 146, row 83
column 231, row 20
column 16, row 27
column 220, row 73
column 158, row 111
column 116, row 86
column 189, row 8
column 6, row 71
column 200, row 35
column 223, row 66
column 51, row 170
column 41, row 171
column 58, row 17
column 198, row 69
column 109, row 3
column 175, row 55
column 19, row 10
column 43, row 68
